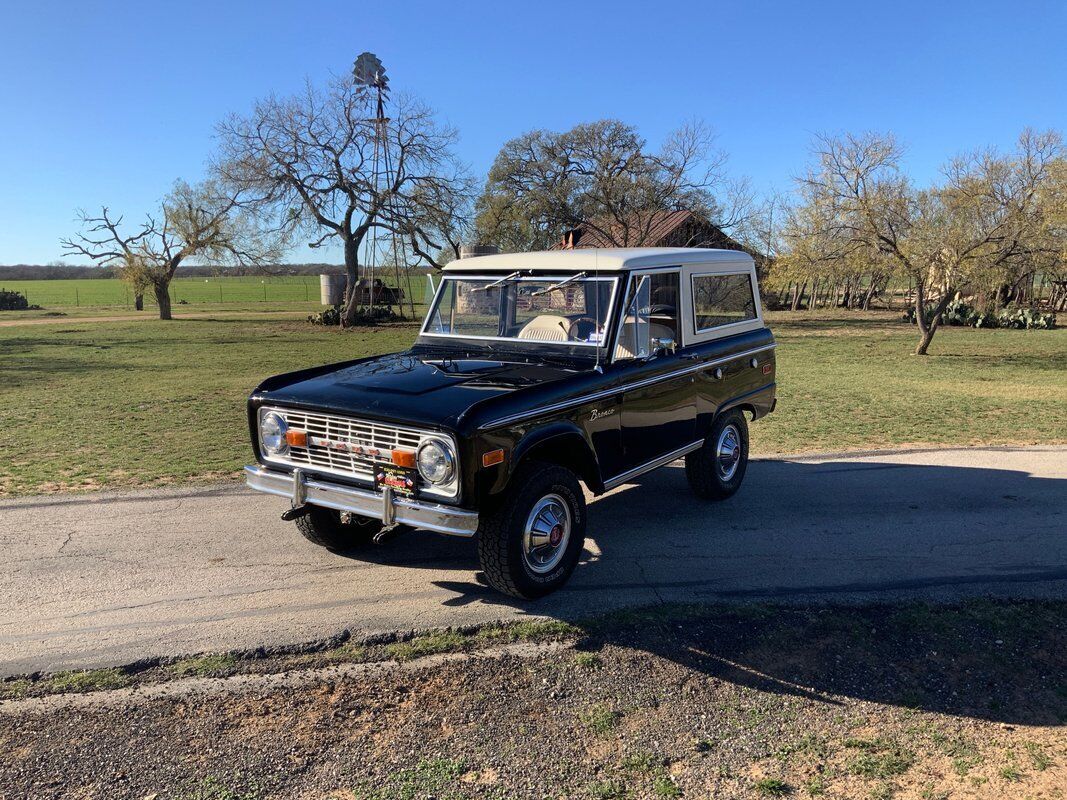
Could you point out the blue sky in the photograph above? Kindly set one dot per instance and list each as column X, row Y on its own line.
column 109, row 103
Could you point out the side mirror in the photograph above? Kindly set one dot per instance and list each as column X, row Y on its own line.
column 662, row 346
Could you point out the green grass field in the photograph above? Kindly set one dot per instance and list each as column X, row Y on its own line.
column 86, row 404
column 114, row 293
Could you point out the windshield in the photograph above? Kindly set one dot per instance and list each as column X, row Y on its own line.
column 566, row 309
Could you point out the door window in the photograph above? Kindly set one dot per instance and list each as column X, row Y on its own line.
column 650, row 313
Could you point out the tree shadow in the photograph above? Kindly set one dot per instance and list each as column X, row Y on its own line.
column 19, row 369
column 773, row 589
column 840, row 323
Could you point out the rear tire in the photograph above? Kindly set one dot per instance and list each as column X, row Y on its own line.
column 716, row 470
column 323, row 526
column 531, row 539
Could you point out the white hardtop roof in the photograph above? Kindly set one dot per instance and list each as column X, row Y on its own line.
column 598, row 259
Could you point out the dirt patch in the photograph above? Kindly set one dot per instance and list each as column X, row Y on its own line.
column 910, row 701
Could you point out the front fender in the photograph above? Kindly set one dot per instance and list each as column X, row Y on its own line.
column 560, row 442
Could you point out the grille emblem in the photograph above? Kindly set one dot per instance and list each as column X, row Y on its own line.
column 357, row 447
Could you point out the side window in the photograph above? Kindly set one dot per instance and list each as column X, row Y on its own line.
column 650, row 313
column 722, row 300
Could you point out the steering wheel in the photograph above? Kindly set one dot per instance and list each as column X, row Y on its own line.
column 574, row 332
column 658, row 309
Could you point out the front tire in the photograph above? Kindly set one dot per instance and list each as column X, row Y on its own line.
column 324, row 527
column 716, row 470
column 531, row 539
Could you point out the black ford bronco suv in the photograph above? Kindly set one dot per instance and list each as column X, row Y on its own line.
column 533, row 373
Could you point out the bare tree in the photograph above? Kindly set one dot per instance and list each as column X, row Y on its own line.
column 440, row 219
column 315, row 161
column 983, row 218
column 201, row 221
column 602, row 174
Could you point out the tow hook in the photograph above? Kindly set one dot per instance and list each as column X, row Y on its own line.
column 296, row 512
column 389, row 525
column 388, row 533
column 299, row 507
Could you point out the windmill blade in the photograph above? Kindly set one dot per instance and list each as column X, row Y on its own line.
column 369, row 71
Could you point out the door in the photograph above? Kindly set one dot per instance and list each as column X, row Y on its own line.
column 658, row 415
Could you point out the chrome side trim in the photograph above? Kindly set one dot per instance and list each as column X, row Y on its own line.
column 626, row 387
column 416, row 513
column 655, row 463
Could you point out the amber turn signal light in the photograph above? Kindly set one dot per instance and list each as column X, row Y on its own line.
column 492, row 457
column 404, row 458
column 296, row 438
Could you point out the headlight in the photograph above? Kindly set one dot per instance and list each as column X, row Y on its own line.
column 272, row 429
column 437, row 463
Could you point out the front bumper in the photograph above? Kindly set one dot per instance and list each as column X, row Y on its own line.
column 385, row 507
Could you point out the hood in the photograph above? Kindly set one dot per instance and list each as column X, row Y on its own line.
column 410, row 388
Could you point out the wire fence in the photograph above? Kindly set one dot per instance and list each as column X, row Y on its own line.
column 296, row 289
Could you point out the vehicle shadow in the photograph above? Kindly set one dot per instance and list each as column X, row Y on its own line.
column 783, row 587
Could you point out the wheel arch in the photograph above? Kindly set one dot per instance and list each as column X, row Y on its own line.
column 562, row 444
column 758, row 403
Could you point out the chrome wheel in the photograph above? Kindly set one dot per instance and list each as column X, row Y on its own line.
column 728, row 452
column 547, row 534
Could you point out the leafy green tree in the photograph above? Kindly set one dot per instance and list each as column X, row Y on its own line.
column 604, row 175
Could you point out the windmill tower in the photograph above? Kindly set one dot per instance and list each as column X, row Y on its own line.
column 369, row 72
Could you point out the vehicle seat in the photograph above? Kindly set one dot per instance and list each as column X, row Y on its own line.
column 546, row 328
column 655, row 331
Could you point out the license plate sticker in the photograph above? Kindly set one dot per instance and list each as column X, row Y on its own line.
column 404, row 481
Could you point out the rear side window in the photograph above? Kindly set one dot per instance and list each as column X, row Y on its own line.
column 722, row 300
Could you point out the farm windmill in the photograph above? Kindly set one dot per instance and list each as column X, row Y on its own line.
column 369, row 72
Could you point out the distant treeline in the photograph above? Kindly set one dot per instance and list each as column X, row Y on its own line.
column 37, row 272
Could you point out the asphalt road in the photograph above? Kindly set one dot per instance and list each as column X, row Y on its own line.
column 111, row 578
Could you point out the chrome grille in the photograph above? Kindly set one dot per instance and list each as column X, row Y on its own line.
column 365, row 442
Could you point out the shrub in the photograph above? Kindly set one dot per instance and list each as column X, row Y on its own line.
column 13, row 301
column 959, row 313
column 364, row 316
column 1026, row 319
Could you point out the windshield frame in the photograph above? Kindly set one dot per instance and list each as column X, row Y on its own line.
column 548, row 277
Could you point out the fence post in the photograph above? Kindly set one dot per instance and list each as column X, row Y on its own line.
column 77, row 298
column 220, row 291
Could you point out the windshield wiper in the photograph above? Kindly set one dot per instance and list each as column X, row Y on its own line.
column 500, row 282
column 559, row 285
